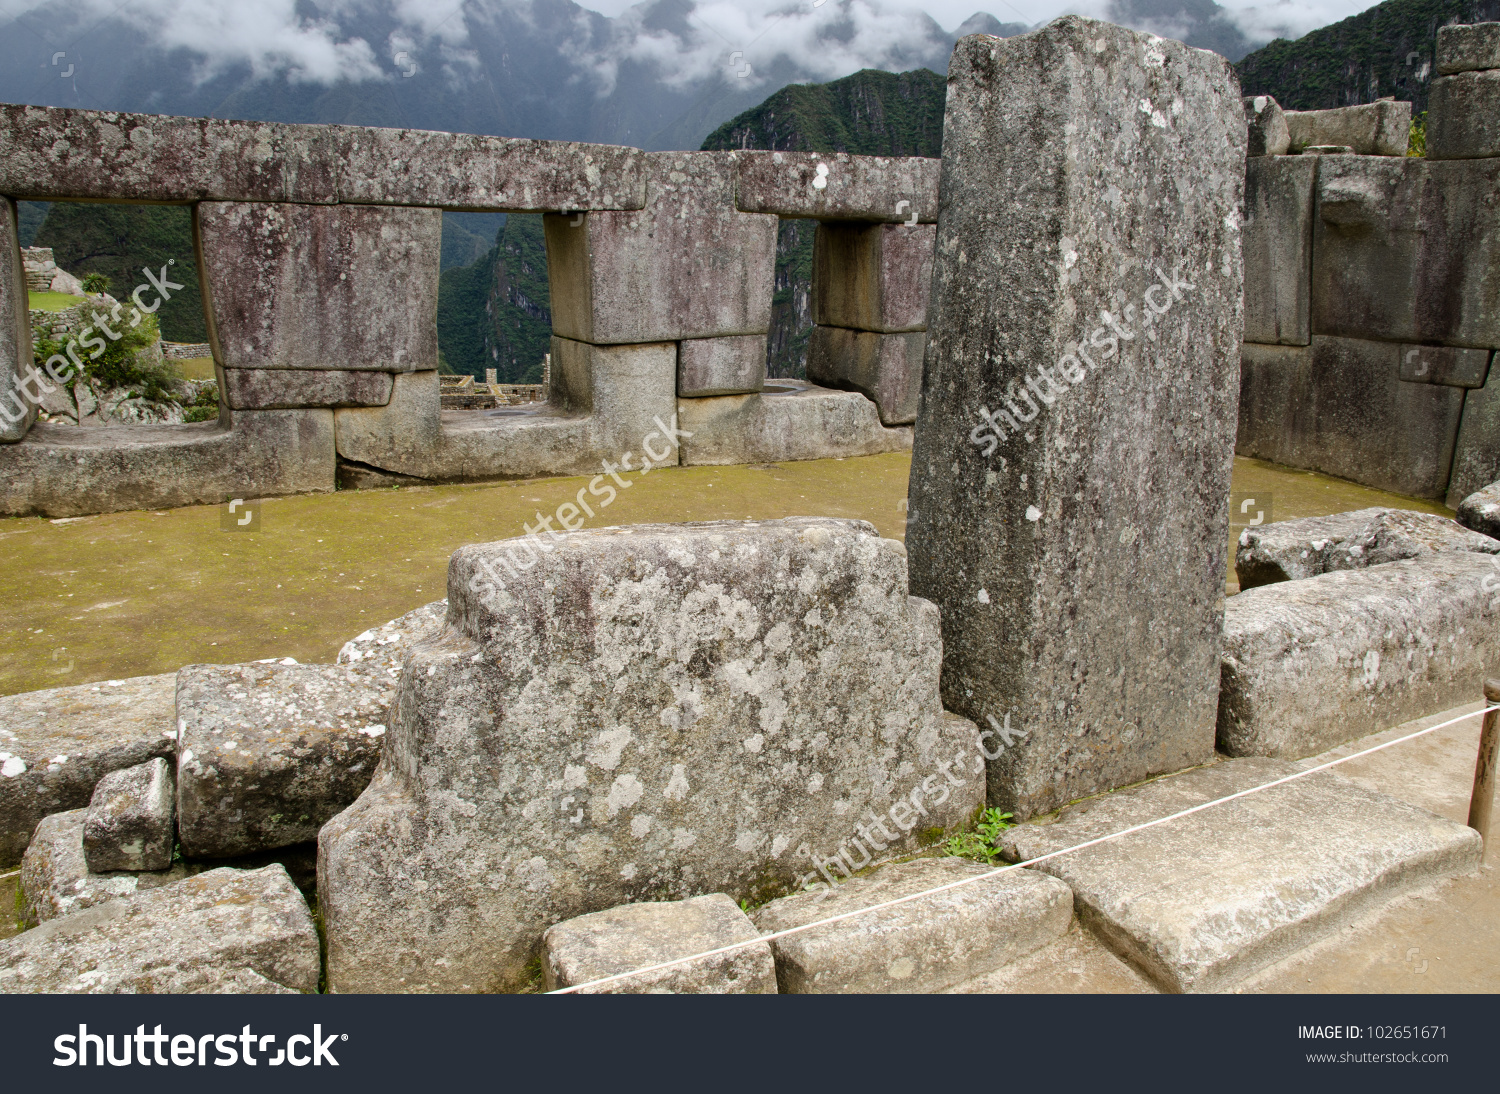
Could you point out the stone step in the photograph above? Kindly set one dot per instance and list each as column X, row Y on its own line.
column 1201, row 902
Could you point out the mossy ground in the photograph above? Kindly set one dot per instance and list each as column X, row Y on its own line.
column 128, row 594
column 52, row 301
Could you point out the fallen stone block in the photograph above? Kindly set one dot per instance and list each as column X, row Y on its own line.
column 635, row 936
column 838, row 186
column 1201, row 902
column 65, row 471
column 56, row 879
column 383, row 648
column 56, row 745
column 56, row 153
column 1464, row 116
column 130, row 820
column 1294, row 549
column 1372, row 129
column 1051, row 256
column 287, row 389
column 884, row 368
column 306, row 286
column 790, row 420
column 687, row 265
column 1269, row 135
column 1476, row 453
column 922, row 946
column 221, row 932
column 1444, row 365
column 267, row 752
column 873, row 277
column 17, row 410
column 1468, row 48
column 1481, row 511
column 721, row 366
column 639, row 712
column 1277, row 236
column 1310, row 664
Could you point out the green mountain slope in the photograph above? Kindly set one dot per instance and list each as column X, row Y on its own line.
column 1387, row 50
column 495, row 313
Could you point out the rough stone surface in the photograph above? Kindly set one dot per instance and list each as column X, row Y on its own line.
column 286, row 389
column 1199, row 903
column 1293, row 549
column 872, row 276
column 1444, row 365
column 16, row 412
column 1277, row 244
column 130, row 819
column 56, row 879
column 651, row 711
column 854, row 187
column 267, row 752
column 922, row 946
column 1481, row 510
column 67, row 471
column 1464, row 116
column 688, row 265
column 223, row 932
column 1402, row 250
column 466, row 171
column 1269, row 135
column 1340, row 407
column 383, row 648
column 884, row 368
column 789, row 421
column 1084, row 165
column 1476, row 456
column 55, row 746
column 1371, row 129
column 634, row 936
column 307, row 286
column 1468, row 48
column 58, row 153
column 721, row 366
column 1310, row 664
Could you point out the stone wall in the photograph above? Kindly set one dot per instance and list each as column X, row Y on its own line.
column 1372, row 307
column 318, row 247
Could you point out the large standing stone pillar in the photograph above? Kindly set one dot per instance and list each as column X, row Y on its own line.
column 17, row 408
column 1070, row 478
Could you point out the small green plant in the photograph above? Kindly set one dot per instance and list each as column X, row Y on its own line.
column 122, row 339
column 1416, row 143
column 984, row 842
column 95, row 283
column 205, row 408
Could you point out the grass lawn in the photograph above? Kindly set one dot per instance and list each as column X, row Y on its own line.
column 195, row 368
column 53, row 301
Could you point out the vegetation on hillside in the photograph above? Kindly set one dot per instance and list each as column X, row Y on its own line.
column 496, row 312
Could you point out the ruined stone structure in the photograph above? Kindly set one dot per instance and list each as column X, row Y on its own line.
column 1372, row 299
column 319, row 257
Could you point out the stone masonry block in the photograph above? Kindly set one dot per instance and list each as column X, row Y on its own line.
column 1463, row 118
column 1468, row 48
column 1088, row 171
column 872, row 277
column 1481, row 511
column 480, row 173
column 130, row 819
column 1476, row 455
column 838, row 186
column 1371, row 129
column 655, row 711
column 290, row 388
column 884, row 368
column 1277, row 242
column 634, row 936
column 318, row 287
column 688, row 265
column 17, row 410
column 1276, row 411
column 55, row 746
column 1269, row 135
column 721, row 366
column 788, row 421
column 1444, row 365
column 1402, row 250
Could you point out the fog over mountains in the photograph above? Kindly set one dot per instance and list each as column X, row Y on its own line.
column 662, row 74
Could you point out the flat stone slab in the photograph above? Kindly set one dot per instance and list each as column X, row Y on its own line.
column 1481, row 511
column 634, row 936
column 791, row 420
column 130, row 819
column 1310, row 664
column 1372, row 129
column 1292, row 549
column 55, row 746
column 1201, row 902
column 925, row 945
column 267, row 752
column 877, row 188
column 385, row 646
column 288, row 388
column 226, row 931
column 56, row 879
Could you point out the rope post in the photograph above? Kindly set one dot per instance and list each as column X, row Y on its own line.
column 1484, row 768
